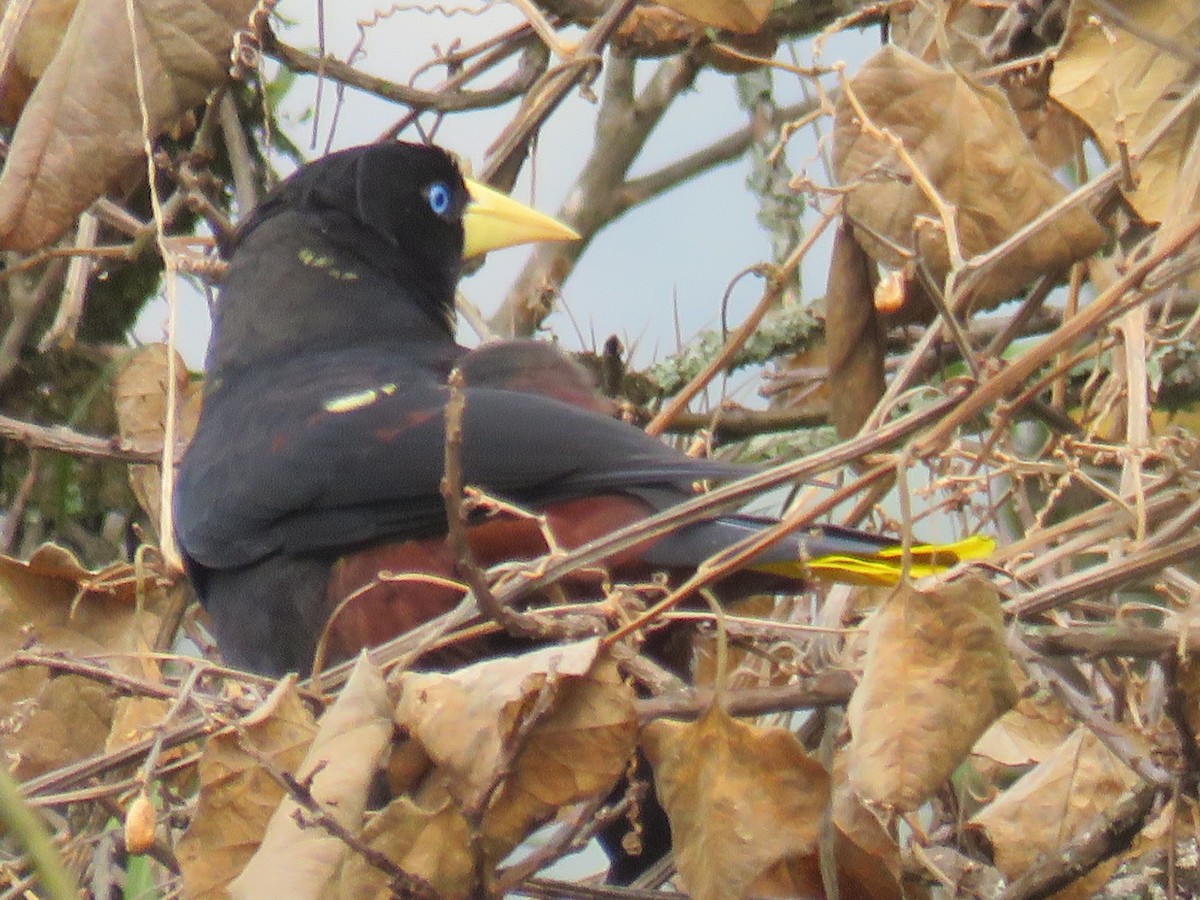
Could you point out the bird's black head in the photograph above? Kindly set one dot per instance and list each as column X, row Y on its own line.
column 398, row 207
column 361, row 247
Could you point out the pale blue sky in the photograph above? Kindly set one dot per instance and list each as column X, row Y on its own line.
column 673, row 256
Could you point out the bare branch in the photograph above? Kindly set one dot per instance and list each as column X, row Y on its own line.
column 443, row 101
column 623, row 126
column 66, row 440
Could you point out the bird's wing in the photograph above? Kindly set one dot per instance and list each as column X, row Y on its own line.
column 322, row 459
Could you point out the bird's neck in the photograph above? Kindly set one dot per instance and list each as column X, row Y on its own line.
column 292, row 290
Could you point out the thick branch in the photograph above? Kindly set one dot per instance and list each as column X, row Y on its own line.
column 511, row 148
column 832, row 687
column 65, row 440
column 724, row 150
column 622, row 128
column 738, row 424
column 1135, row 641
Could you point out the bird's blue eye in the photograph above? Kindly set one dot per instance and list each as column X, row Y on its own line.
column 439, row 197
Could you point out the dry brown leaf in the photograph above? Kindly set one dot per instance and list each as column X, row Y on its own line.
column 134, row 719
column 577, row 752
column 407, row 765
column 430, row 842
column 1027, row 733
column 568, row 707
column 41, row 32
column 237, row 795
column 966, row 141
column 465, row 719
column 81, row 130
column 50, row 722
column 122, row 583
column 741, row 16
column 655, row 29
column 296, row 860
column 1122, row 84
column 1047, row 807
column 745, row 805
column 936, row 676
column 854, row 336
column 869, row 863
column 977, row 36
column 1054, row 133
column 140, row 399
column 960, row 26
column 54, row 603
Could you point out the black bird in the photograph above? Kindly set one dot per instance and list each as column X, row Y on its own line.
column 319, row 453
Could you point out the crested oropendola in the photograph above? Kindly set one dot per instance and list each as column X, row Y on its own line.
column 319, row 452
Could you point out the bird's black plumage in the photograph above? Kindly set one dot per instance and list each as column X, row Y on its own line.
column 322, row 426
column 321, row 440
column 319, row 452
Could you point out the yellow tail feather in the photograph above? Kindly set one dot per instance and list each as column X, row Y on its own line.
column 885, row 566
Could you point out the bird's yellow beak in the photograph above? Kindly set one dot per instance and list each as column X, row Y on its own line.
column 493, row 220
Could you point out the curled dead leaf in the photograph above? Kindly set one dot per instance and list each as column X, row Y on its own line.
column 854, row 335
column 466, row 719
column 1046, row 807
column 54, row 603
column 963, row 142
column 1054, row 133
column 140, row 399
column 237, row 795
column 42, row 29
column 51, row 721
column 297, row 858
column 134, row 719
column 953, row 32
column 656, row 30
column 937, row 674
column 512, row 741
column 577, row 752
column 868, row 858
column 81, row 129
column 431, row 842
column 1027, row 733
column 745, row 805
column 741, row 16
column 1119, row 80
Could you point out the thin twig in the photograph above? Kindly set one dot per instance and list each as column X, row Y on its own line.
column 510, row 88
column 724, row 498
column 778, row 280
column 322, row 818
column 515, row 623
column 79, row 271
column 831, row 687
